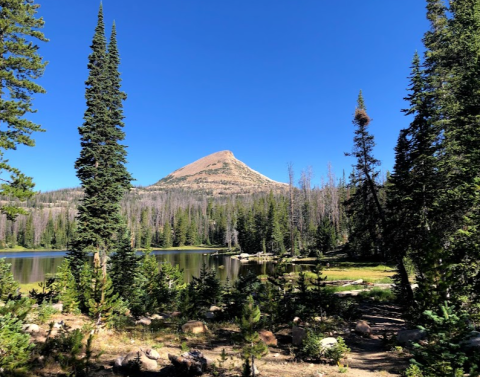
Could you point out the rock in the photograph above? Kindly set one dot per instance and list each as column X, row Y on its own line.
column 31, row 328
column 191, row 363
column 327, row 343
column 146, row 364
column 144, row 321
column 58, row 306
column 58, row 325
column 473, row 341
column 176, row 314
column 268, row 337
column 156, row 317
column 298, row 334
column 152, row 354
column 118, row 361
column 407, row 337
column 244, row 255
column 194, row 327
column 363, row 328
column 209, row 315
column 214, row 308
column 256, row 372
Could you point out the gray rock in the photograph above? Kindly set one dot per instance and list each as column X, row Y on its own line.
column 327, row 343
column 31, row 328
column 473, row 341
column 58, row 306
column 146, row 364
column 118, row 361
column 298, row 334
column 191, row 363
column 407, row 337
column 143, row 321
column 152, row 354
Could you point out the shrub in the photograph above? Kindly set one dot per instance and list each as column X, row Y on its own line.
column 313, row 349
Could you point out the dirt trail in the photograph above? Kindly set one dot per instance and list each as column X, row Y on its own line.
column 370, row 353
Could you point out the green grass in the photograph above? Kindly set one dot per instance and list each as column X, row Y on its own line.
column 20, row 249
column 377, row 294
column 368, row 274
column 27, row 287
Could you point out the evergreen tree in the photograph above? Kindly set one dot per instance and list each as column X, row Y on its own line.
column 254, row 347
column 167, row 235
column 103, row 302
column 8, row 286
column 124, row 269
column 21, row 64
column 66, row 287
column 101, row 165
column 365, row 206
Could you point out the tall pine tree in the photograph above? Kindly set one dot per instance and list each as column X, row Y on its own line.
column 101, row 165
column 20, row 65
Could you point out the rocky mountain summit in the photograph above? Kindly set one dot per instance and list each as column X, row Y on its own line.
column 218, row 174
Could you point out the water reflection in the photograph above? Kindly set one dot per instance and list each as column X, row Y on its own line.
column 30, row 267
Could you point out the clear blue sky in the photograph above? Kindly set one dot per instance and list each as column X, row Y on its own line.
column 274, row 81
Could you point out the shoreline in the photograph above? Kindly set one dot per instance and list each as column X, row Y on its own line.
column 173, row 248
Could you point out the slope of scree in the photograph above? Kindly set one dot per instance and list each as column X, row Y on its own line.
column 218, row 174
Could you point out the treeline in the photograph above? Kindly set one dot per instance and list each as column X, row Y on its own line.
column 313, row 217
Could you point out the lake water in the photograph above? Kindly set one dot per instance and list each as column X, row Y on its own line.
column 30, row 267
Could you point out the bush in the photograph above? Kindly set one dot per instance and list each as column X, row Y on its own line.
column 15, row 346
column 444, row 355
column 313, row 349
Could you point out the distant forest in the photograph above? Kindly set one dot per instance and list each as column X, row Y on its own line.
column 315, row 218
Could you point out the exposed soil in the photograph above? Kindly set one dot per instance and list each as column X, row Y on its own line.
column 368, row 358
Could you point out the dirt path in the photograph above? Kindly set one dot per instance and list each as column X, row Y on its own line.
column 370, row 354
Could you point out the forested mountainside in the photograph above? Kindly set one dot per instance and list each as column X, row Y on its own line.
column 179, row 216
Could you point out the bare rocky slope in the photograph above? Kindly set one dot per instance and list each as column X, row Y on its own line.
column 218, row 174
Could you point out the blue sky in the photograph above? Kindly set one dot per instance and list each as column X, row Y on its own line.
column 274, row 81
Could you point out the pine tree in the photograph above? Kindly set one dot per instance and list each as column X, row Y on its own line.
column 254, row 347
column 365, row 206
column 66, row 286
column 8, row 286
column 103, row 302
column 124, row 269
column 101, row 165
column 167, row 235
column 21, row 64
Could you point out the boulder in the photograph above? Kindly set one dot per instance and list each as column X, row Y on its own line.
column 298, row 334
column 151, row 354
column 327, row 343
column 473, row 342
column 194, row 327
column 58, row 306
column 31, row 328
column 143, row 321
column 407, row 337
column 146, row 364
column 191, row 363
column 268, row 337
column 118, row 361
column 363, row 328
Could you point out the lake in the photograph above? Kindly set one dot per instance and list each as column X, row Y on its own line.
column 30, row 267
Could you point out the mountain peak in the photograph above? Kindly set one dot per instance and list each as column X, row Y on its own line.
column 218, row 173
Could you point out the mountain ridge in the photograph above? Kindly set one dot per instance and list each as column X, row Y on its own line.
column 218, row 173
